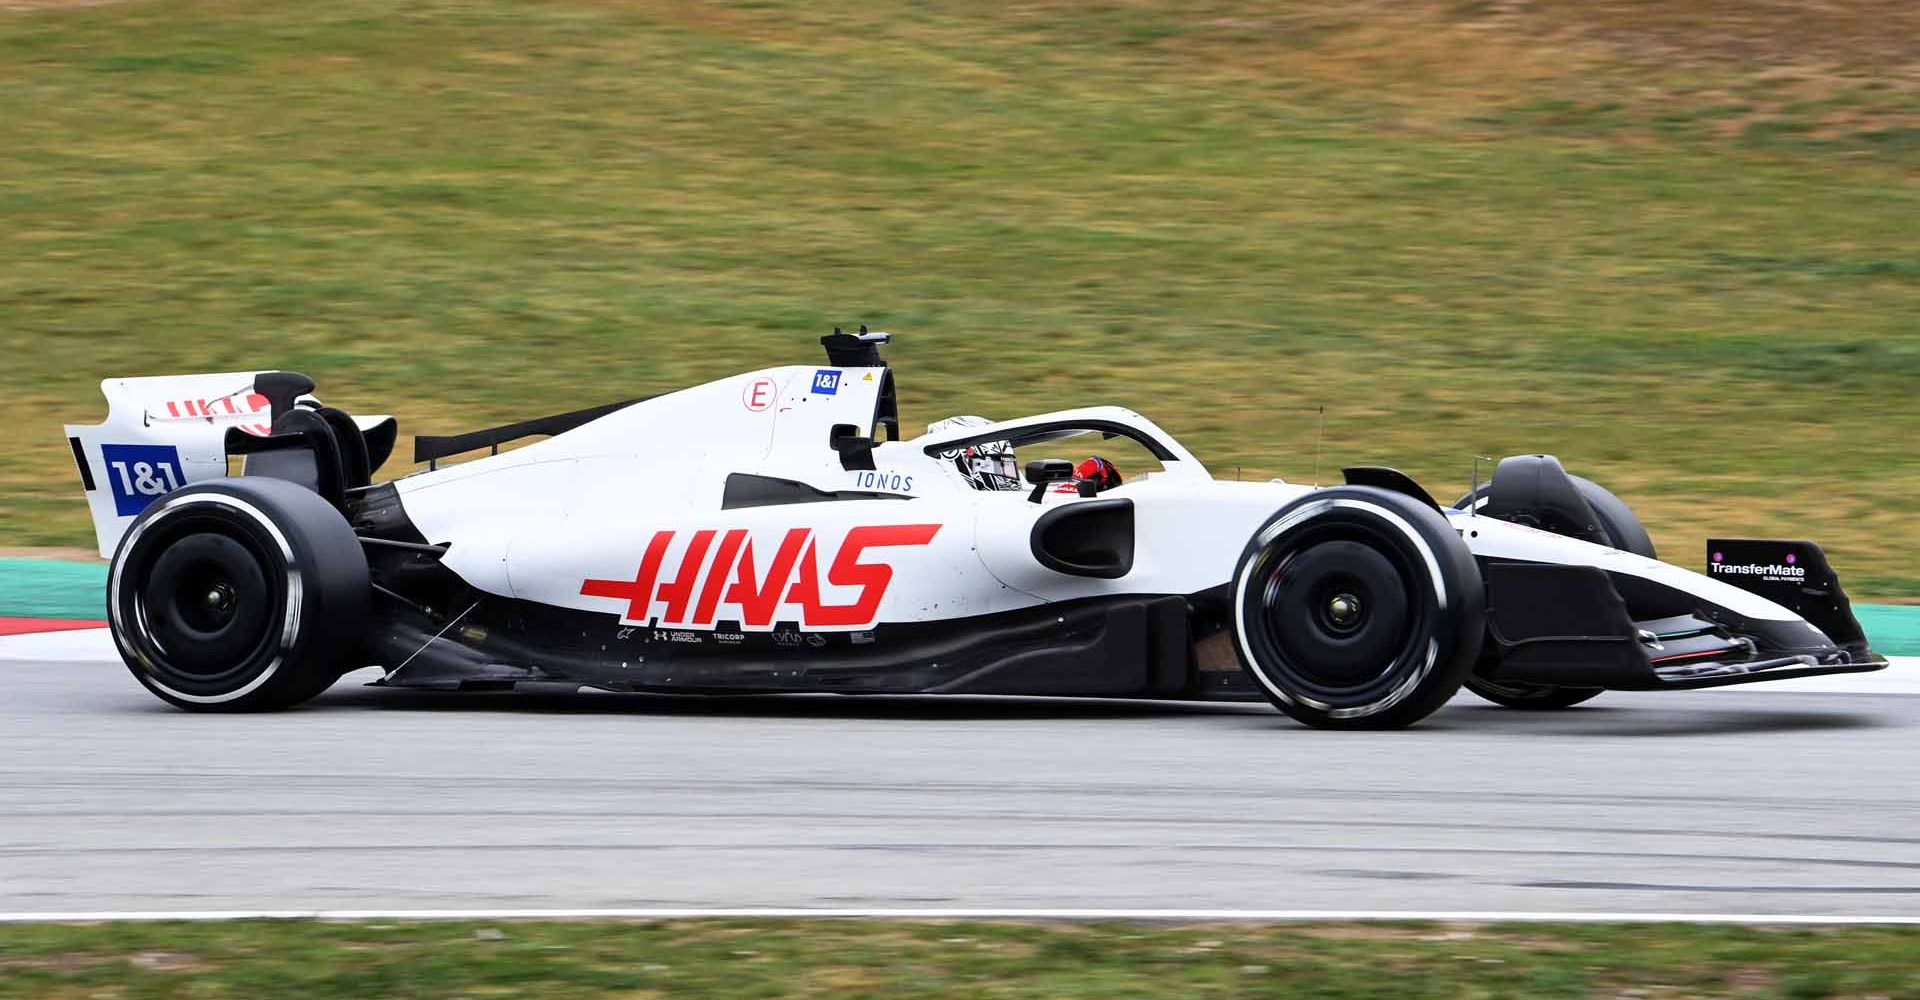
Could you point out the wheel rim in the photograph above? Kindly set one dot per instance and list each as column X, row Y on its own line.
column 1337, row 613
column 206, row 604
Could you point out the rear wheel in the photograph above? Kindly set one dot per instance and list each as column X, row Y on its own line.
column 238, row 595
column 1358, row 608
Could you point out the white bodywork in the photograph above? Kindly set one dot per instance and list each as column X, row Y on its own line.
column 624, row 516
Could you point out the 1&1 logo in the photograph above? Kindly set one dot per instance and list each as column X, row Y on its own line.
column 139, row 474
column 826, row 382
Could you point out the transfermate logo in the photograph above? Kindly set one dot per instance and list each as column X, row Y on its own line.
column 1787, row 570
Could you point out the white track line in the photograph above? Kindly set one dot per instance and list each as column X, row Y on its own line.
column 1168, row 915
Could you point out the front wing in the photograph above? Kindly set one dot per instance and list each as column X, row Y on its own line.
column 1569, row 626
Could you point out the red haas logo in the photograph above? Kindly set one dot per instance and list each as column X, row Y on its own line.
column 759, row 582
column 237, row 404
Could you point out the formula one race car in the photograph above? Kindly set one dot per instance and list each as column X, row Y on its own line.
column 771, row 532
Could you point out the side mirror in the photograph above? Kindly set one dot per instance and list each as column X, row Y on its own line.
column 1044, row 471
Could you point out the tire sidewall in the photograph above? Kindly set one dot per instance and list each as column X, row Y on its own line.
column 316, row 577
column 1449, row 609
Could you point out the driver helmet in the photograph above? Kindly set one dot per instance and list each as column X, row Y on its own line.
column 988, row 465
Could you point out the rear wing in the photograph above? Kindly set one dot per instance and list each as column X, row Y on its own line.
column 164, row 432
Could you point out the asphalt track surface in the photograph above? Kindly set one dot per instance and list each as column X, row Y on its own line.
column 1724, row 801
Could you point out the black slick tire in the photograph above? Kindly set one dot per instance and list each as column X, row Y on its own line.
column 238, row 595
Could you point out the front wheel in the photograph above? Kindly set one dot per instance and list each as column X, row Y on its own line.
column 238, row 595
column 1358, row 608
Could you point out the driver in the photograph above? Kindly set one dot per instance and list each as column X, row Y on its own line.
column 1104, row 475
column 987, row 465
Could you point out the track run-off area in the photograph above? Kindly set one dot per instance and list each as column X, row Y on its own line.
column 1780, row 801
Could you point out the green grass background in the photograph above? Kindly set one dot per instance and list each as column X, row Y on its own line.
column 739, row 958
column 1677, row 244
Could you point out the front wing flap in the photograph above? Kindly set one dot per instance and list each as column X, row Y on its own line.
column 1568, row 626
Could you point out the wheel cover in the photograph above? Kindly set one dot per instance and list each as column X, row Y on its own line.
column 1337, row 611
column 1338, row 607
column 206, row 604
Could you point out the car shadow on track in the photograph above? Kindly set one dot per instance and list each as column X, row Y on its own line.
column 1653, row 721
column 1691, row 718
column 350, row 694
